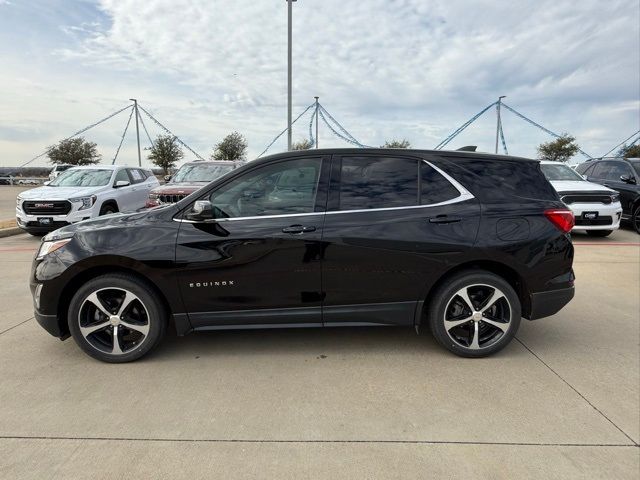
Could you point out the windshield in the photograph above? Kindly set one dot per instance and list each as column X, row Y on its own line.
column 83, row 178
column 559, row 172
column 203, row 172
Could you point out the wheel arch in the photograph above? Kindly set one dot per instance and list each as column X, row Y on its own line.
column 505, row 272
column 110, row 201
column 75, row 282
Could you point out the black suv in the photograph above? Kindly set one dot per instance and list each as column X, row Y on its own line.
column 622, row 175
column 463, row 244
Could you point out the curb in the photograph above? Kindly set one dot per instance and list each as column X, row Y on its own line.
column 8, row 232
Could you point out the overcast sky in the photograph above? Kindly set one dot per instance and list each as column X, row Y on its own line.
column 412, row 69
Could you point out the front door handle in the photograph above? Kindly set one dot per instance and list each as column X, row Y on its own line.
column 444, row 219
column 298, row 229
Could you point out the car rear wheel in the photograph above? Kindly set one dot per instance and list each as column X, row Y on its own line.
column 599, row 233
column 116, row 318
column 474, row 314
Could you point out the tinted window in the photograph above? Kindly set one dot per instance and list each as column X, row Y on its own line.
column 611, row 170
column 636, row 165
column 276, row 189
column 378, row 182
column 434, row 187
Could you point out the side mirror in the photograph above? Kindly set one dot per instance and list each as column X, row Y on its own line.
column 628, row 179
column 121, row 183
column 201, row 210
column 167, row 178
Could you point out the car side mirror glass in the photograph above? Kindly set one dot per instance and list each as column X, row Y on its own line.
column 201, row 210
column 628, row 179
column 167, row 178
column 121, row 183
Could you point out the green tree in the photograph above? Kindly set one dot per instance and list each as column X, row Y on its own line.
column 404, row 143
column 559, row 150
column 74, row 151
column 232, row 147
column 165, row 152
column 304, row 144
column 629, row 151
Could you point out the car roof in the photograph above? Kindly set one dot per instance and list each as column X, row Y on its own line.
column 101, row 167
column 480, row 156
column 551, row 162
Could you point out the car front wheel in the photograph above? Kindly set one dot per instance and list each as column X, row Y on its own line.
column 116, row 318
column 636, row 220
column 474, row 314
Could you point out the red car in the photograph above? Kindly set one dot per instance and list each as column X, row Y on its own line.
column 190, row 177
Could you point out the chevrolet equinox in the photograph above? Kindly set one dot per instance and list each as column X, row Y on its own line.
column 462, row 244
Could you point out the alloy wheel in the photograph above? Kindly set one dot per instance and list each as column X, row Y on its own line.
column 114, row 320
column 477, row 316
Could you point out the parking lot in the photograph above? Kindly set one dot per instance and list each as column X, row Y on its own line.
column 563, row 401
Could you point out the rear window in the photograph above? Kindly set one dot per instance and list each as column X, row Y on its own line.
column 489, row 178
column 378, row 182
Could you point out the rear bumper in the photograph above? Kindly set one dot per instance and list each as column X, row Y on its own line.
column 545, row 304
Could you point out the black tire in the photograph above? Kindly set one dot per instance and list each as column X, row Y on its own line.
column 599, row 233
column 107, row 209
column 143, row 312
column 447, row 306
column 635, row 220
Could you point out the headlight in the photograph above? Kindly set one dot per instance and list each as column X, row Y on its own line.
column 87, row 202
column 153, row 196
column 49, row 247
column 19, row 202
column 615, row 197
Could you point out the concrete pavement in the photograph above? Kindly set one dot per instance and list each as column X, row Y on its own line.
column 562, row 401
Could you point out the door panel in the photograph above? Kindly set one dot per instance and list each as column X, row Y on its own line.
column 379, row 262
column 261, row 264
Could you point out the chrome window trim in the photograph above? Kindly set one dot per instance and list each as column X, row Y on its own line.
column 463, row 197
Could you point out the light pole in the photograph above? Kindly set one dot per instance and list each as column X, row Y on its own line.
column 290, row 15
column 317, row 139
column 135, row 108
column 498, row 121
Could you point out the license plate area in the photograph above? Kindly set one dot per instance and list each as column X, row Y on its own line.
column 45, row 220
column 590, row 215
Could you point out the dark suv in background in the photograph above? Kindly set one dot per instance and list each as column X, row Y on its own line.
column 462, row 244
column 622, row 175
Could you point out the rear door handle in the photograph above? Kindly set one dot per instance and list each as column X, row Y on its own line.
column 298, row 229
column 444, row 219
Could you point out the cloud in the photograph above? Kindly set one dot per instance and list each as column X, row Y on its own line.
column 408, row 69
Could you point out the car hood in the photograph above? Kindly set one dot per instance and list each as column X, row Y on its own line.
column 114, row 220
column 58, row 193
column 178, row 188
column 578, row 186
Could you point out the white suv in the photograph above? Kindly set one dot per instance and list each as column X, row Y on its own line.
column 81, row 193
column 596, row 208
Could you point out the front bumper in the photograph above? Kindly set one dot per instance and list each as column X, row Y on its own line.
column 51, row 324
column 608, row 217
column 32, row 223
column 545, row 304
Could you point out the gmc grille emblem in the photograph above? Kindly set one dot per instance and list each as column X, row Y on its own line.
column 43, row 205
column 221, row 283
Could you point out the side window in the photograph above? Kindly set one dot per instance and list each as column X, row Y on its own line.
column 378, row 182
column 434, row 188
column 584, row 169
column 277, row 189
column 121, row 176
column 136, row 175
column 611, row 171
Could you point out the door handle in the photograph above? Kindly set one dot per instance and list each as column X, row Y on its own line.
column 444, row 219
column 298, row 229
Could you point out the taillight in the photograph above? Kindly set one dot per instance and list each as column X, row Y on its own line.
column 562, row 218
